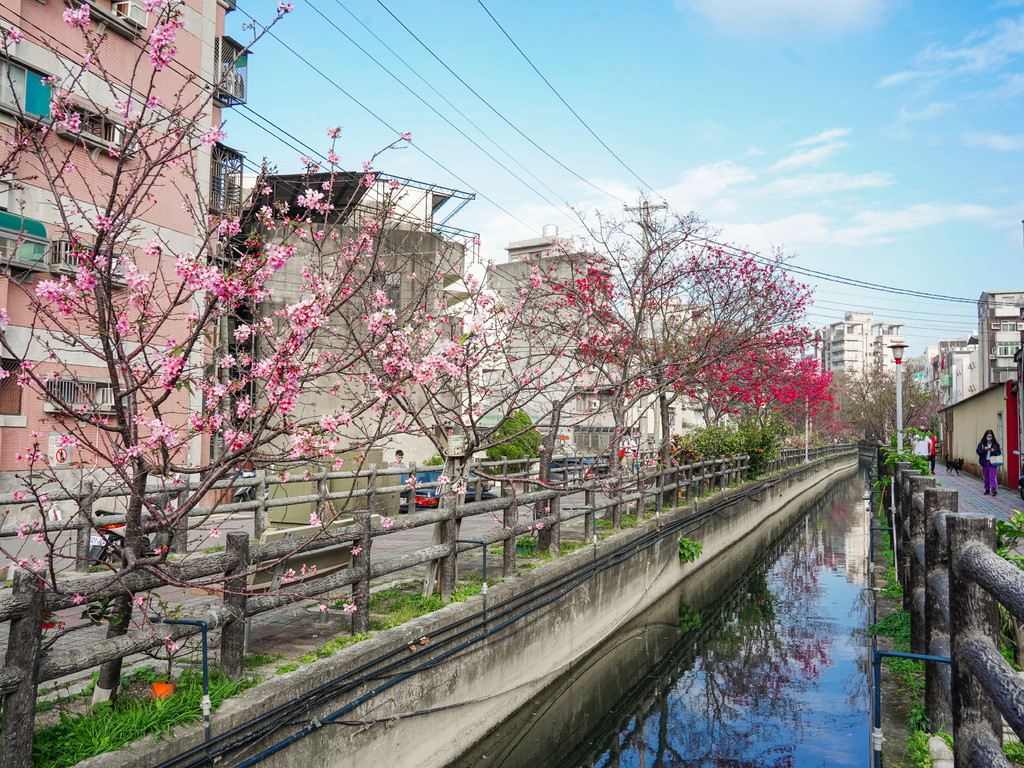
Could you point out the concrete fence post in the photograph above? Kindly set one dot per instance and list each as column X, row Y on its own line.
column 915, row 583
column 259, row 515
column 321, row 497
column 449, row 571
column 937, row 503
column 973, row 612
column 361, row 589
column 589, row 500
column 508, row 550
column 903, row 475
column 232, row 642
column 23, row 645
column 84, row 527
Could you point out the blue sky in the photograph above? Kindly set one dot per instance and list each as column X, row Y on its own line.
column 879, row 140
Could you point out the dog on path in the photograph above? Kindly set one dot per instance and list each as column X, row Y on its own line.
column 954, row 465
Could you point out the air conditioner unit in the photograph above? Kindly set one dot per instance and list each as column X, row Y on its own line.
column 995, row 326
column 62, row 257
column 992, row 357
column 127, row 9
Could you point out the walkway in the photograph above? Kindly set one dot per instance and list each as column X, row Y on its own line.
column 973, row 498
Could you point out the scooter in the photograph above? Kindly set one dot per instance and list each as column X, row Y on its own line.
column 106, row 544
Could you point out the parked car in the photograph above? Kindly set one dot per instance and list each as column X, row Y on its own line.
column 426, row 498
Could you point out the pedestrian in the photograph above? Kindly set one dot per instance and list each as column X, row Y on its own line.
column 399, row 460
column 933, row 447
column 990, row 456
column 920, row 446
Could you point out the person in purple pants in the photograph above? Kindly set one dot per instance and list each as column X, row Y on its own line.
column 988, row 449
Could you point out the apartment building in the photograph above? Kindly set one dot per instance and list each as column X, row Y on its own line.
column 999, row 339
column 51, row 201
column 857, row 343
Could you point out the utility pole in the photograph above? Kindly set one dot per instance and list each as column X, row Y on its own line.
column 644, row 209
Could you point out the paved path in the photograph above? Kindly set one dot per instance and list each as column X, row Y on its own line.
column 973, row 498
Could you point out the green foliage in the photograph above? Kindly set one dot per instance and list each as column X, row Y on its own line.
column 285, row 668
column 689, row 618
column 689, row 550
column 254, row 660
column 1008, row 538
column 918, row 719
column 433, row 461
column 565, row 547
column 897, row 626
column 1014, row 752
column 331, row 647
column 515, row 438
column 112, row 727
column 759, row 441
column 917, row 748
column 395, row 606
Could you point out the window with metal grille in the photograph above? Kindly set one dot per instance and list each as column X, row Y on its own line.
column 226, row 180
column 10, row 391
column 77, row 394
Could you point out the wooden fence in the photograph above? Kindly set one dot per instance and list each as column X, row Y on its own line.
column 225, row 572
column 953, row 583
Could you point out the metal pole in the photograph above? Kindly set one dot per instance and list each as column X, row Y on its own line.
column 899, row 407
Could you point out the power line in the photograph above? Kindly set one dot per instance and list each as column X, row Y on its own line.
column 486, row 103
column 432, row 88
column 436, row 112
column 387, row 125
column 554, row 91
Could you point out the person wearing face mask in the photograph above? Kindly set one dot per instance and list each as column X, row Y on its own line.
column 990, row 455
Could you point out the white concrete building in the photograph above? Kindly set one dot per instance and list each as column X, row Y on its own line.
column 856, row 343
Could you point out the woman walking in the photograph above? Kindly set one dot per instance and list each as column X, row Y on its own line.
column 989, row 457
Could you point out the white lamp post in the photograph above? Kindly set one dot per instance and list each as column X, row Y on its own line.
column 897, row 347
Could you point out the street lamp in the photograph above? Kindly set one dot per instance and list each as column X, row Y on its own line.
column 897, row 347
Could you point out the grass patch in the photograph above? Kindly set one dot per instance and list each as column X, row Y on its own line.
column 254, row 660
column 331, row 647
column 897, row 626
column 565, row 547
column 393, row 607
column 285, row 668
column 111, row 727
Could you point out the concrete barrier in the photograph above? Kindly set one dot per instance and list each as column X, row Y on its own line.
column 424, row 693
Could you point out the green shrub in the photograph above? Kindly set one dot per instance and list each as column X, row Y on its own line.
column 433, row 461
column 515, row 438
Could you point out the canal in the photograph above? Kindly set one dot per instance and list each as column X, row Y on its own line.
column 761, row 663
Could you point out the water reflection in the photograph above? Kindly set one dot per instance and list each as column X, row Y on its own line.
column 768, row 672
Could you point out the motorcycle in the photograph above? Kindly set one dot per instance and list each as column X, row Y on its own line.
column 243, row 493
column 106, row 545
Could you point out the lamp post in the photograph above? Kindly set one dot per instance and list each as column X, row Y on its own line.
column 897, row 347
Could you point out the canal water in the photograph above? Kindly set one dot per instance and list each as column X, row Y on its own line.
column 763, row 663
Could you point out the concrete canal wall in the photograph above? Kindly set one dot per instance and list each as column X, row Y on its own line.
column 424, row 693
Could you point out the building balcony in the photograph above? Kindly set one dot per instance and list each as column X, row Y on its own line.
column 232, row 71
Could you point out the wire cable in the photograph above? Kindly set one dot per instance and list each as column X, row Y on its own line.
column 554, row 91
column 452, row 125
column 502, row 117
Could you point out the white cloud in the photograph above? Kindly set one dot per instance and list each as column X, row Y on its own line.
column 824, row 137
column 819, row 184
column 900, row 129
column 981, row 51
column 882, row 226
column 788, row 233
column 997, row 141
column 706, row 183
column 899, row 78
column 812, row 156
column 797, row 17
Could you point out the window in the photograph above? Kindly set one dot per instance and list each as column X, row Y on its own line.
column 23, row 241
column 232, row 70
column 226, row 180
column 24, row 90
column 1009, row 325
column 10, row 391
column 126, row 9
column 64, row 258
column 1007, row 348
column 102, row 127
column 92, row 395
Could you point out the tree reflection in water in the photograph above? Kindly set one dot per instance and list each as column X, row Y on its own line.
column 758, row 683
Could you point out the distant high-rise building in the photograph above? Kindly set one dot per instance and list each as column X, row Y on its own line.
column 857, row 343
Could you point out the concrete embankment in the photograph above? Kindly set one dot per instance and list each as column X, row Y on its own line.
column 424, row 693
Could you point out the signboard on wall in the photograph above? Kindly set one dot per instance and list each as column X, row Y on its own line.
column 59, row 456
